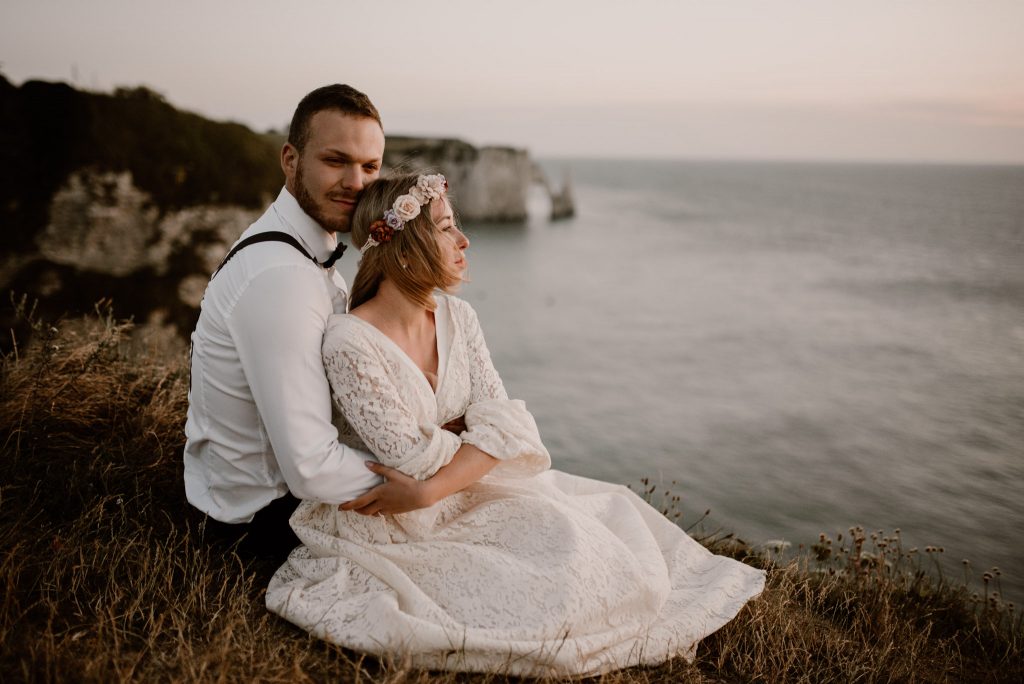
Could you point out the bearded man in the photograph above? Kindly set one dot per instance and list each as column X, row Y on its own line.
column 259, row 431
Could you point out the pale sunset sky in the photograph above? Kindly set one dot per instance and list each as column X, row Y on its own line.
column 885, row 80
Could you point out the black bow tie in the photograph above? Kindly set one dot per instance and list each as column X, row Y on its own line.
column 335, row 255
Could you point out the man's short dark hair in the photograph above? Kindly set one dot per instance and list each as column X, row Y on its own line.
column 337, row 97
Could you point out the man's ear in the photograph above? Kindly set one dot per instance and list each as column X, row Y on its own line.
column 289, row 162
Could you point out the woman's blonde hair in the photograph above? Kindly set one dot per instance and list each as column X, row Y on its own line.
column 411, row 260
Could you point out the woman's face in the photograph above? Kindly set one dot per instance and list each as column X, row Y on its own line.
column 450, row 239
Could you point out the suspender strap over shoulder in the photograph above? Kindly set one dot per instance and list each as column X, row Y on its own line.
column 269, row 236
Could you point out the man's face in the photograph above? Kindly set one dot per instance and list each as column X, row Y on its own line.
column 343, row 154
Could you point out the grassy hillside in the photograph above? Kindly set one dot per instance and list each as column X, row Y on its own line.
column 106, row 576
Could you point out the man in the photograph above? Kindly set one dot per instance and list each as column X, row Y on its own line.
column 259, row 416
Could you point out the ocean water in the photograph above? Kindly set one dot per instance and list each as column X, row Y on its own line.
column 799, row 347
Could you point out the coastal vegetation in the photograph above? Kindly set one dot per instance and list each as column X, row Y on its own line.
column 107, row 577
column 121, row 194
column 179, row 159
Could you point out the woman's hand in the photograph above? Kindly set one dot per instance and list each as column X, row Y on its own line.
column 399, row 494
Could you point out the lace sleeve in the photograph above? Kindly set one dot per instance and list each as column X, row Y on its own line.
column 368, row 397
column 485, row 383
column 495, row 424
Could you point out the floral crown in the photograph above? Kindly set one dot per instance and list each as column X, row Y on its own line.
column 406, row 208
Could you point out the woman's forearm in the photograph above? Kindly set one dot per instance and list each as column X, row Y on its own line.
column 467, row 466
column 402, row 493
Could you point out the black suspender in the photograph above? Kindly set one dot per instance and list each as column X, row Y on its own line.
column 269, row 236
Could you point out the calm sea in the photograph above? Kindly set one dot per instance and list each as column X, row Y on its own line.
column 800, row 347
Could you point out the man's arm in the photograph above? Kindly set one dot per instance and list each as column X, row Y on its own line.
column 278, row 325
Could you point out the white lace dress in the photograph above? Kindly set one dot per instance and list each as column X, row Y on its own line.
column 529, row 571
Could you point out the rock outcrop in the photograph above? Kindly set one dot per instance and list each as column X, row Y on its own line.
column 101, row 222
column 489, row 183
column 105, row 238
column 562, row 204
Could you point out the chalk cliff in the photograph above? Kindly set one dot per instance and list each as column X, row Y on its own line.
column 489, row 183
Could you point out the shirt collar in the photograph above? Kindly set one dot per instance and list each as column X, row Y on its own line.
column 318, row 241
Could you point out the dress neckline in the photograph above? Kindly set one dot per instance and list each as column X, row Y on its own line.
column 441, row 322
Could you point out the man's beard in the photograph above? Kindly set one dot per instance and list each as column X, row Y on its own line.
column 314, row 210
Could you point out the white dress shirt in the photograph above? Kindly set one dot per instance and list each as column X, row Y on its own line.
column 259, row 411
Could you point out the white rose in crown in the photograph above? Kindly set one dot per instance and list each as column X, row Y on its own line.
column 406, row 207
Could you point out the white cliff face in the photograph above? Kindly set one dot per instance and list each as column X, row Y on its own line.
column 106, row 238
column 494, row 187
column 101, row 222
column 488, row 184
column 220, row 226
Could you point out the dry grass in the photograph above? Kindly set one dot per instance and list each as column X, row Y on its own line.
column 106, row 577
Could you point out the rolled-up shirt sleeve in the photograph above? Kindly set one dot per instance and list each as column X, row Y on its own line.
column 277, row 325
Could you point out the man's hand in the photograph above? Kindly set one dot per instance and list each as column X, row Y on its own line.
column 399, row 494
column 458, row 426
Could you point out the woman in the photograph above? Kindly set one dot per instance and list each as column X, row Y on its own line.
column 513, row 567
